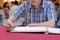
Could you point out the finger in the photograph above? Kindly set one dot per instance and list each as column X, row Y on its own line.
column 6, row 25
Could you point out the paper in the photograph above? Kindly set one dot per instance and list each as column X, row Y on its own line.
column 54, row 30
column 29, row 29
column 37, row 29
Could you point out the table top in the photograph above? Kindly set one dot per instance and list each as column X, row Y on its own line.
column 26, row 36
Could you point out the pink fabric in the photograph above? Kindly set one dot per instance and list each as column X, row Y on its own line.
column 26, row 36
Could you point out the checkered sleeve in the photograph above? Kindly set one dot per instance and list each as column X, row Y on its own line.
column 51, row 13
column 19, row 11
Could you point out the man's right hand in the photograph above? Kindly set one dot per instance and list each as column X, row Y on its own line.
column 9, row 25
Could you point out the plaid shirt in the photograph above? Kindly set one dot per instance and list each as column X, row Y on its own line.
column 44, row 13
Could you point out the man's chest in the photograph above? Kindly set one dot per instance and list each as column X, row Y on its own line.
column 36, row 15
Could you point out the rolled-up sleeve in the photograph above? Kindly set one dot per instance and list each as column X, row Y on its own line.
column 19, row 11
column 51, row 13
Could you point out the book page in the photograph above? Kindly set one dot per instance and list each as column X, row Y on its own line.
column 29, row 29
column 54, row 30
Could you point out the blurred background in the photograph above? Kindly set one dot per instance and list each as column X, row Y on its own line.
column 9, row 1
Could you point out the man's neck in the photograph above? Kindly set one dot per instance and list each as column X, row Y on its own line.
column 38, row 5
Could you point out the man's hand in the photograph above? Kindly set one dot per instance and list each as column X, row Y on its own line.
column 9, row 25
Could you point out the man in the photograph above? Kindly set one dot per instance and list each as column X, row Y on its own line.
column 36, row 13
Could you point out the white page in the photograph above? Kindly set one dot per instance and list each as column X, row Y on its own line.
column 29, row 29
column 54, row 30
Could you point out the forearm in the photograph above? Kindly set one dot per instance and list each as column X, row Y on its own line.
column 50, row 23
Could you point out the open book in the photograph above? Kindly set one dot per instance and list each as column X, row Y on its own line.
column 36, row 29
